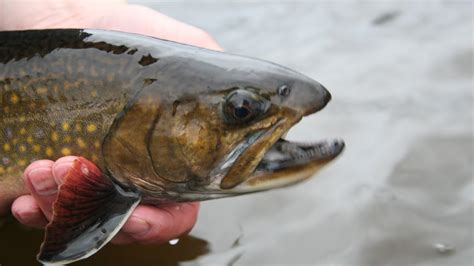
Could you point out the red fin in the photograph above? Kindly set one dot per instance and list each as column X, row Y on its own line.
column 89, row 211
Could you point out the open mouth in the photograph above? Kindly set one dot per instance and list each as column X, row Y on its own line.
column 285, row 155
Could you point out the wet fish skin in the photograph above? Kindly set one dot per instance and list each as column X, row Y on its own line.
column 62, row 90
column 160, row 121
column 58, row 96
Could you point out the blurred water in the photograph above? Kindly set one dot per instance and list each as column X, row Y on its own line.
column 401, row 76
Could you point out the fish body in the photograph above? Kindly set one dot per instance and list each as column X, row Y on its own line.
column 58, row 97
column 160, row 121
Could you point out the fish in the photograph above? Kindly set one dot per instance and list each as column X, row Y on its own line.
column 152, row 120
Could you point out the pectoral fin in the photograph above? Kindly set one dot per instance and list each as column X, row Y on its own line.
column 89, row 211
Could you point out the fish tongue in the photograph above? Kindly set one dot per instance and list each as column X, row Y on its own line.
column 89, row 210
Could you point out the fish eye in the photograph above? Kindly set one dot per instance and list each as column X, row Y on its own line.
column 283, row 90
column 242, row 106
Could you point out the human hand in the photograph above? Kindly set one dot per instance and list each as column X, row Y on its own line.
column 147, row 223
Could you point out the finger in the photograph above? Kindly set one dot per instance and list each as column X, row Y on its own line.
column 26, row 211
column 61, row 168
column 143, row 20
column 39, row 180
column 149, row 224
column 165, row 27
column 112, row 16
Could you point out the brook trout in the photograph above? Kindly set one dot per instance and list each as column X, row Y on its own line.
column 160, row 121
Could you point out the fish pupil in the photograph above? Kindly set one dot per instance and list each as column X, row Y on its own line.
column 241, row 112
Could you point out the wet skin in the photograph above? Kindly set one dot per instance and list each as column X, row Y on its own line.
column 163, row 122
column 131, row 103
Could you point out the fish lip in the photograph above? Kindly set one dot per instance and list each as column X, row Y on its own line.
column 290, row 154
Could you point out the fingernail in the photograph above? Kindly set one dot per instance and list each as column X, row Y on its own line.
column 42, row 181
column 137, row 227
column 60, row 171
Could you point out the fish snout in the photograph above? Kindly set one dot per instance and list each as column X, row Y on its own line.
column 308, row 97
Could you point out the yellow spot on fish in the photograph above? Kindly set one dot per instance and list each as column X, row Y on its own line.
column 6, row 109
column 91, row 128
column 42, row 90
column 2, row 170
column 94, row 93
column 9, row 170
column 78, row 127
column 94, row 158
column 29, row 139
column 21, row 118
column 54, row 136
column 36, row 148
column 49, row 151
column 97, row 144
column 7, row 147
column 67, row 86
column 21, row 162
column 67, row 138
column 66, row 151
column 22, row 148
column 81, row 143
column 65, row 126
column 23, row 131
column 15, row 141
column 14, row 98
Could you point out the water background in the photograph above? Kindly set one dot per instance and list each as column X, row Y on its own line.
column 401, row 76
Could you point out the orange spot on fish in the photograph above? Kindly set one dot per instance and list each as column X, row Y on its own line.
column 49, row 151
column 14, row 99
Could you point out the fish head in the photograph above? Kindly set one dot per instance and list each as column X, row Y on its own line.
column 226, row 137
column 215, row 127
